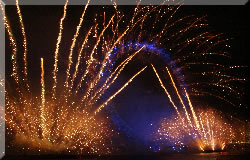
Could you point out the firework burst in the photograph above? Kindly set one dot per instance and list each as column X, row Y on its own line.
column 214, row 131
column 206, row 128
column 65, row 116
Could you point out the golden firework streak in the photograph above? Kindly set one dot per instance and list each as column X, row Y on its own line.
column 79, row 58
column 103, row 66
column 192, row 110
column 114, row 95
column 106, row 85
column 43, row 116
column 57, row 50
column 89, row 62
column 203, row 130
column 73, row 45
column 13, row 45
column 24, row 44
column 177, row 92
column 166, row 91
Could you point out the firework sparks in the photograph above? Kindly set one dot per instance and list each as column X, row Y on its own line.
column 206, row 128
column 73, row 44
column 13, row 45
column 111, row 97
column 216, row 132
column 169, row 96
column 183, row 105
column 57, row 49
column 65, row 121
column 69, row 120
column 43, row 119
column 24, row 43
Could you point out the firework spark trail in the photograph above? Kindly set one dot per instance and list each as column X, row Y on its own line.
column 96, row 80
column 90, row 61
column 177, row 92
column 169, row 96
column 115, row 94
column 225, row 86
column 141, row 19
column 204, row 63
column 215, row 44
column 186, row 43
column 212, row 141
column 192, row 110
column 203, row 54
column 214, row 95
column 24, row 44
column 106, row 85
column 217, row 54
column 119, row 18
column 176, row 22
column 204, row 135
column 73, row 45
column 121, row 66
column 181, row 32
column 43, row 115
column 231, row 78
column 209, row 40
column 203, row 129
column 79, row 58
column 59, row 38
column 13, row 46
column 209, row 131
column 166, row 24
column 159, row 15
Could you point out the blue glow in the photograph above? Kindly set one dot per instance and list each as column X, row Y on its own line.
column 150, row 48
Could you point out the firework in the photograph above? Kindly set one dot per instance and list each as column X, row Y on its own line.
column 206, row 128
column 68, row 120
column 65, row 116
column 215, row 132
